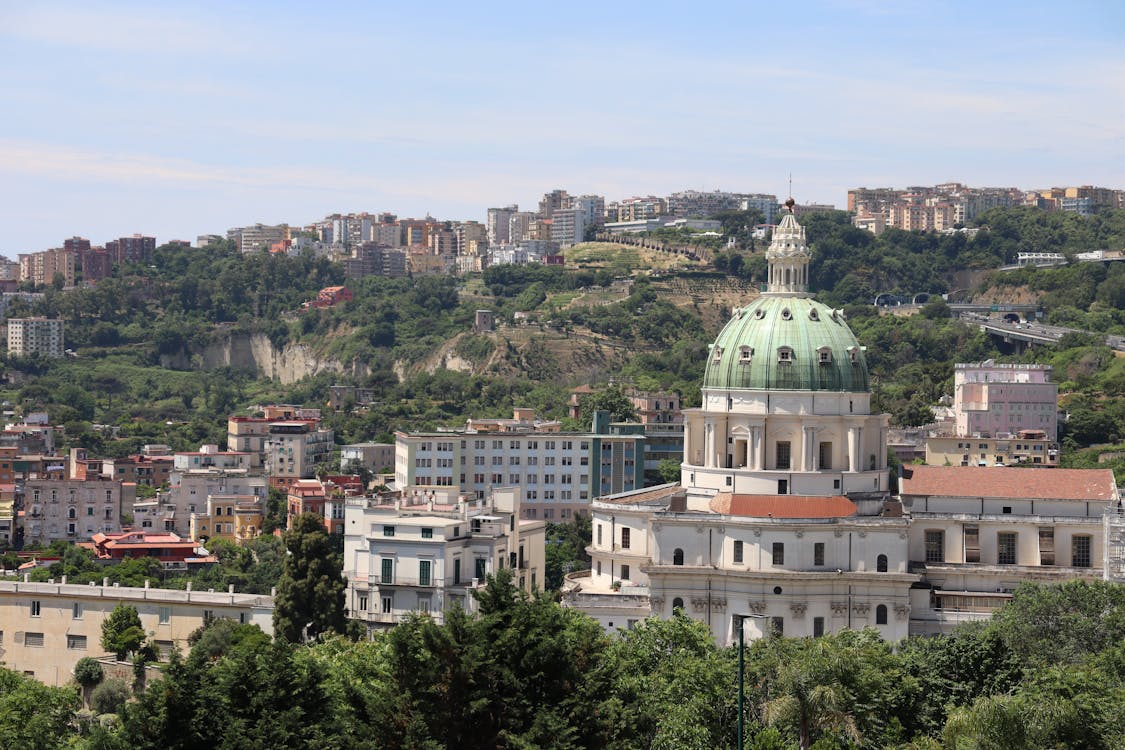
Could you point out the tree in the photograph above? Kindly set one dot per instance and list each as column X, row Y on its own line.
column 310, row 594
column 109, row 697
column 669, row 470
column 122, row 632
column 611, row 399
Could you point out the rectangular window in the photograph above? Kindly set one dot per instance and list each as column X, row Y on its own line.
column 738, row 552
column 362, row 603
column 1006, row 548
column 387, row 573
column 388, row 531
column 76, row 611
column 1046, row 545
column 599, row 533
column 624, row 572
column 783, row 454
column 935, row 546
column 388, row 605
column 33, row 640
column 457, row 570
column 817, row 627
column 479, row 569
column 818, row 553
column 972, row 544
column 424, row 572
column 165, row 615
column 36, row 608
column 76, row 642
column 427, row 533
column 1080, row 552
column 777, row 626
column 778, row 553
column 625, row 534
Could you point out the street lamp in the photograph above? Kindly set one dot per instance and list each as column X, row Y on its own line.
column 741, row 619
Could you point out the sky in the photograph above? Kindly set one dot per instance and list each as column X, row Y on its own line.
column 180, row 119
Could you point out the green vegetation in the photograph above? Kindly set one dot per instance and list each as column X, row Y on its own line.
column 122, row 632
column 1046, row 671
column 310, row 594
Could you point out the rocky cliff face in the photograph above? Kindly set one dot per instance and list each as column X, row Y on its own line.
column 255, row 354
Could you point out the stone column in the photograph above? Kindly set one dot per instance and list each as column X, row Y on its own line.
column 709, row 444
column 855, row 449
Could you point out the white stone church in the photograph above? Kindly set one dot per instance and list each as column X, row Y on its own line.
column 785, row 517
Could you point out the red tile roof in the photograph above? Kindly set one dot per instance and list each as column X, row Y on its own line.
column 783, row 506
column 1008, row 482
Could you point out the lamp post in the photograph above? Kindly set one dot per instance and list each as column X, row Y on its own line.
column 741, row 619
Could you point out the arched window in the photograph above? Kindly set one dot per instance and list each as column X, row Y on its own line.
column 881, row 564
column 881, row 614
column 677, row 603
column 72, row 513
column 678, row 556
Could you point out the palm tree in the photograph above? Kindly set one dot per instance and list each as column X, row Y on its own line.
column 810, row 695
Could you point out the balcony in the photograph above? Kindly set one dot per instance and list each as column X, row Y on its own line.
column 403, row 582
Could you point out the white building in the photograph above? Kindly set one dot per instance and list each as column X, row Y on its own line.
column 426, row 552
column 35, row 336
column 784, row 514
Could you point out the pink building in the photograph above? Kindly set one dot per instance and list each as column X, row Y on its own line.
column 994, row 400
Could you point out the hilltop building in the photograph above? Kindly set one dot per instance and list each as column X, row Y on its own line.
column 27, row 336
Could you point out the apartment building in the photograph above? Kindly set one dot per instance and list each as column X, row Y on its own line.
column 258, row 237
column 375, row 259
column 45, row 628
column 294, row 448
column 568, row 226
column 233, row 518
column 190, row 492
column 151, row 471
column 374, row 457
column 27, row 336
column 426, row 552
column 497, row 224
column 558, row 472
column 1030, row 447
column 72, row 509
column 1001, row 400
column 42, row 268
column 135, row 249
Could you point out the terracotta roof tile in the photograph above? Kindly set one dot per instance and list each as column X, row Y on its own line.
column 1008, row 482
column 783, row 506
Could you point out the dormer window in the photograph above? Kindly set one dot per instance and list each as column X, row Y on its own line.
column 759, row 314
column 824, row 355
column 745, row 355
column 718, row 353
column 853, row 354
column 813, row 314
column 784, row 355
column 786, row 314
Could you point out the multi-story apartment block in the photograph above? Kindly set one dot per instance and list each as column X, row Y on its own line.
column 44, row 267
column 234, row 518
column 568, row 226
column 553, row 201
column 72, row 509
column 191, row 490
column 1000, row 400
column 151, row 471
column 27, row 336
column 1029, row 447
column 47, row 627
column 210, row 457
column 498, row 224
column 426, row 553
column 294, row 448
column 519, row 226
column 135, row 249
column 470, row 237
column 375, row 259
column 258, row 236
column 703, row 204
column 374, row 457
column 592, row 208
column 8, row 298
column 558, row 472
column 764, row 202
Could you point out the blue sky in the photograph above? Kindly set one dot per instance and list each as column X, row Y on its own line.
column 175, row 121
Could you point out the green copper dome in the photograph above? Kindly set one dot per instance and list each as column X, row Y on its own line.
column 790, row 343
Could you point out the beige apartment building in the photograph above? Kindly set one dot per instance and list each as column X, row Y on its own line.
column 35, row 336
column 45, row 628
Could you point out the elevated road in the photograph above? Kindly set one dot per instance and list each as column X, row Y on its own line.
column 1023, row 335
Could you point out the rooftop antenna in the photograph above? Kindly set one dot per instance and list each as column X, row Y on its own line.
column 790, row 184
